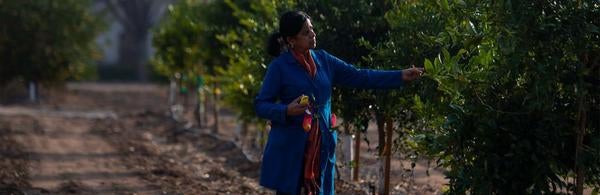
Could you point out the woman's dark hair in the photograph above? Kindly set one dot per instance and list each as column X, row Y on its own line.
column 290, row 24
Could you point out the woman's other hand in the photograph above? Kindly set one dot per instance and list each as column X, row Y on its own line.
column 411, row 74
column 295, row 108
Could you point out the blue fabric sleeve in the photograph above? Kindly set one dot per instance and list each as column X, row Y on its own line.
column 346, row 75
column 265, row 102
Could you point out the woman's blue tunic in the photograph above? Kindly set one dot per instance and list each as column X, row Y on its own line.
column 284, row 81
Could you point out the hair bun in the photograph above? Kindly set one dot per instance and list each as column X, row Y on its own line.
column 275, row 44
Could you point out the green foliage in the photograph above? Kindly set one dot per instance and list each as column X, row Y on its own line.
column 256, row 20
column 348, row 29
column 221, row 39
column 245, row 49
column 46, row 41
column 179, row 45
column 507, row 84
column 502, row 97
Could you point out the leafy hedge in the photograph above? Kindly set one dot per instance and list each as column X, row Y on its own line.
column 47, row 41
column 512, row 87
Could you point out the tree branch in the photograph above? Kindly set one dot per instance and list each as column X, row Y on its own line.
column 118, row 12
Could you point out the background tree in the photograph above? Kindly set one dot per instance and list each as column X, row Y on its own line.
column 137, row 18
column 188, row 51
column 180, row 50
column 46, row 41
column 245, row 49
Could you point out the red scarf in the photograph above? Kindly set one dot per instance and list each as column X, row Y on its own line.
column 312, row 161
column 306, row 60
column 312, row 158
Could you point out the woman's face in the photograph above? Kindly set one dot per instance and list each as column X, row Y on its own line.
column 305, row 39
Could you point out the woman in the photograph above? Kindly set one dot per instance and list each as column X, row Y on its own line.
column 297, row 157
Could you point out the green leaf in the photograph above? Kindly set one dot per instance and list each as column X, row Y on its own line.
column 429, row 66
column 444, row 4
column 438, row 61
column 461, row 52
column 446, row 54
column 457, row 108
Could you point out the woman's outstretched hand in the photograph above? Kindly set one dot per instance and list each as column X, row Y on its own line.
column 411, row 74
column 295, row 108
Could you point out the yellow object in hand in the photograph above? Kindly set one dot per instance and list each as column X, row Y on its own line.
column 304, row 100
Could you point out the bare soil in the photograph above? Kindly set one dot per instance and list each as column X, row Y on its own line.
column 89, row 138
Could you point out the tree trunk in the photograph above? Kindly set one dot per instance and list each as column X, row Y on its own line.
column 242, row 134
column 348, row 153
column 380, row 120
column 580, row 132
column 380, row 174
column 199, row 107
column 261, row 136
column 137, row 17
column 216, row 108
column 388, row 155
column 356, row 157
column 172, row 92
column 206, row 102
column 185, row 99
column 134, row 51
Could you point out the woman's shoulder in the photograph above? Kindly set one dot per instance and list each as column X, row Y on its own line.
column 286, row 58
column 320, row 52
column 323, row 56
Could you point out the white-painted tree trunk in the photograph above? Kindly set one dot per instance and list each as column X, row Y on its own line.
column 347, row 154
column 202, row 106
column 33, row 96
column 206, row 106
column 261, row 137
column 241, row 133
column 172, row 92
column 237, row 139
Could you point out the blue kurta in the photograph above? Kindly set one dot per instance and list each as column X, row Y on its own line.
column 284, row 81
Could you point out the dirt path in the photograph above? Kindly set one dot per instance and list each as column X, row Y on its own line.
column 93, row 138
column 66, row 156
column 114, row 139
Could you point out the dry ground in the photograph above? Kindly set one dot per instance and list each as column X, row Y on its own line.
column 119, row 139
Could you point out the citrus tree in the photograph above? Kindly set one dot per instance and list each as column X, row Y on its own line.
column 178, row 42
column 187, row 50
column 245, row 50
column 46, row 41
column 180, row 50
column 508, row 96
